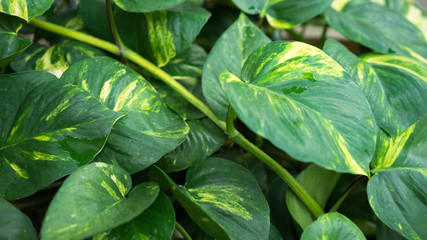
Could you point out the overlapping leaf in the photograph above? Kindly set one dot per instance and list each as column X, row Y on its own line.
column 332, row 226
column 94, row 199
column 187, row 64
column 148, row 131
column 223, row 198
column 25, row 9
column 204, row 139
column 12, row 45
column 14, row 224
column 395, row 86
column 48, row 129
column 158, row 36
column 146, row 5
column 155, row 223
column 398, row 190
column 319, row 183
column 377, row 27
column 229, row 53
column 305, row 104
column 54, row 59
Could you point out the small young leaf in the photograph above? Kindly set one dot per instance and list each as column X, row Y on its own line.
column 306, row 104
column 332, row 226
column 187, row 64
column 48, row 129
column 223, row 198
column 14, row 224
column 94, row 199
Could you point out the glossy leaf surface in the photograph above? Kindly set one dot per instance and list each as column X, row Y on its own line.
column 204, row 139
column 398, row 190
column 395, row 86
column 155, row 223
column 148, row 131
column 379, row 28
column 332, row 226
column 12, row 45
column 93, row 199
column 237, row 43
column 286, row 14
column 54, row 59
column 222, row 198
column 305, row 104
column 14, row 224
column 319, row 183
column 47, row 137
column 25, row 9
column 146, row 5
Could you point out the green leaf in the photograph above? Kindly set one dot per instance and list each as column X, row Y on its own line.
column 379, row 28
column 187, row 64
column 14, row 224
column 146, row 5
column 332, row 226
column 229, row 53
column 274, row 234
column 155, row 223
column 94, row 199
column 286, row 14
column 398, row 191
column 25, row 9
column 395, row 86
column 319, row 183
column 204, row 139
column 251, row 6
column 222, row 198
column 158, row 36
column 12, row 45
column 304, row 100
column 49, row 128
column 148, row 131
column 54, row 59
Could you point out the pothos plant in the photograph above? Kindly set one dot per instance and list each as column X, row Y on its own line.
column 160, row 119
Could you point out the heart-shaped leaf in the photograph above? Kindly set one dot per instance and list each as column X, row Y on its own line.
column 14, row 224
column 155, row 223
column 25, row 9
column 223, row 198
column 94, row 199
column 305, row 104
column 148, row 131
column 48, row 129
column 146, row 5
column 395, row 86
column 9, row 26
column 332, row 226
column 398, row 191
column 377, row 27
column 54, row 59
column 240, row 40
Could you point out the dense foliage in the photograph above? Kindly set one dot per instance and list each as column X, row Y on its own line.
column 192, row 119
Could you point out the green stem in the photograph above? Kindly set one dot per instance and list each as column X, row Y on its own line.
column 160, row 74
column 295, row 35
column 113, row 27
column 182, row 231
column 349, row 190
column 323, row 37
column 272, row 164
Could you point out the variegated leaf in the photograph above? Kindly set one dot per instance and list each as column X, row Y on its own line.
column 395, row 86
column 94, row 199
column 14, row 224
column 54, row 59
column 237, row 42
column 398, row 190
column 377, row 27
column 301, row 100
column 48, row 129
column 25, row 9
column 222, row 198
column 12, row 45
column 148, row 131
column 332, row 226
column 146, row 5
